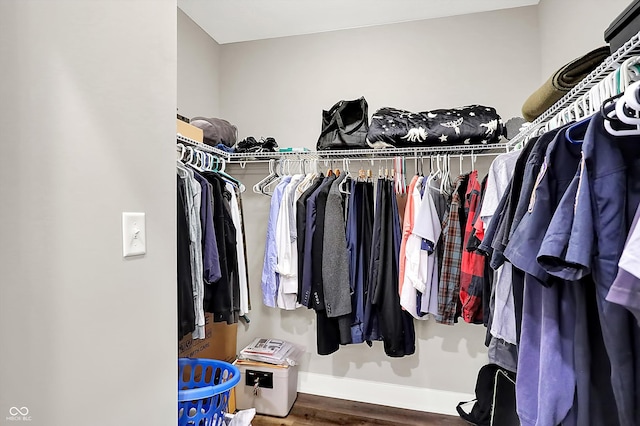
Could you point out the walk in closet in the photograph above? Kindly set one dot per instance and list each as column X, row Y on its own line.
column 441, row 70
column 89, row 96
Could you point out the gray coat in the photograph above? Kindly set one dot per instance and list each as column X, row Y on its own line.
column 335, row 259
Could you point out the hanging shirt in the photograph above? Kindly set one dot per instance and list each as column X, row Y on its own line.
column 610, row 181
column 210, row 258
column 503, row 324
column 270, row 278
column 407, row 227
column 625, row 290
column 422, row 259
column 186, row 312
column 194, row 200
column 448, row 295
column 285, row 246
column 414, row 279
column 242, row 264
column 472, row 266
column 428, row 229
column 545, row 385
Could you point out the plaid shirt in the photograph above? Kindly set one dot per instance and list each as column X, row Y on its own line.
column 449, row 286
column 472, row 270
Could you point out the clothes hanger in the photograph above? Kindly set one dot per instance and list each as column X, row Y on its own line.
column 580, row 126
column 629, row 103
column 610, row 117
column 197, row 161
column 188, row 155
column 343, row 185
column 257, row 188
column 227, row 177
column 280, row 173
column 445, row 180
column 621, row 112
column 631, row 95
column 181, row 149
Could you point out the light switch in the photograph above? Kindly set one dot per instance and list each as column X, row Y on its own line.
column 134, row 238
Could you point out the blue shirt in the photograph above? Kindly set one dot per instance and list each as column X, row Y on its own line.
column 545, row 383
column 607, row 199
column 270, row 278
column 211, row 257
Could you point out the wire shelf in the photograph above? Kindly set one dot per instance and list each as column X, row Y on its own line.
column 361, row 154
column 629, row 49
column 202, row 147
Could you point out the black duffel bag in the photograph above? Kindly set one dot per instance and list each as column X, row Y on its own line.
column 345, row 126
column 469, row 125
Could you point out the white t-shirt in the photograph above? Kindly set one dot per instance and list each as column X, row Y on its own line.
column 286, row 246
column 412, row 277
column 504, row 318
column 242, row 264
column 428, row 228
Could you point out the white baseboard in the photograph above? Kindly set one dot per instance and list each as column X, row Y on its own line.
column 400, row 396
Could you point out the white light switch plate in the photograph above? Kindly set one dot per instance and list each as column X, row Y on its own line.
column 134, row 237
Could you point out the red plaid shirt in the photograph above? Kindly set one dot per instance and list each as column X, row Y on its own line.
column 449, row 285
column 472, row 269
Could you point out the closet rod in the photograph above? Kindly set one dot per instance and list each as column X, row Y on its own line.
column 629, row 49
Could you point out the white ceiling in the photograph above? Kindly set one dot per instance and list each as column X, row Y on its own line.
column 230, row 21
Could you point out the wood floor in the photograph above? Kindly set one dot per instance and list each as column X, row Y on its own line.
column 318, row 410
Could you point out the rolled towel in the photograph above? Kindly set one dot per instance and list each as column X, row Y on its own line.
column 561, row 82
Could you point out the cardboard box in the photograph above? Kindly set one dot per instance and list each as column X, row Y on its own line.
column 189, row 131
column 219, row 342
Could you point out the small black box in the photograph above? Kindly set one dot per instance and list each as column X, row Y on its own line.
column 625, row 26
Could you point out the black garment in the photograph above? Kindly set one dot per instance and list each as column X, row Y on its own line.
column 301, row 223
column 317, row 239
column 371, row 310
column 328, row 331
column 383, row 291
column 232, row 253
column 360, row 234
column 186, row 312
column 219, row 296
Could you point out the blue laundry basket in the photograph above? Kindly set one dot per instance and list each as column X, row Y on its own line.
column 203, row 390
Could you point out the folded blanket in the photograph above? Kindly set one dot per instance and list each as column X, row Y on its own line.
column 469, row 125
column 561, row 83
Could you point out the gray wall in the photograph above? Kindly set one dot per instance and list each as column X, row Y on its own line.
column 198, row 70
column 571, row 28
column 87, row 109
column 279, row 87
